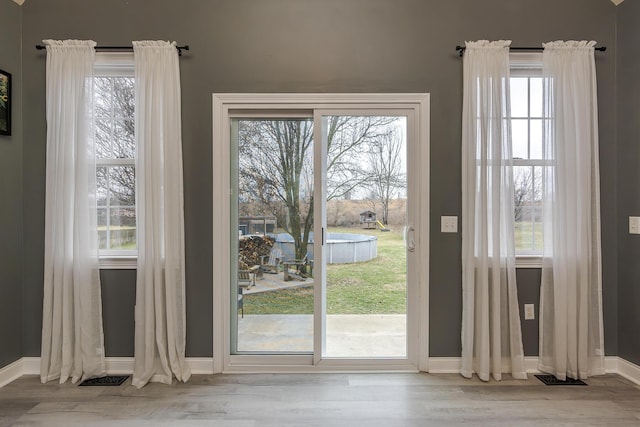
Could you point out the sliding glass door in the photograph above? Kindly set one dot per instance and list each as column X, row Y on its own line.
column 323, row 216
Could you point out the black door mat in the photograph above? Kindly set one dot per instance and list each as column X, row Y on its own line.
column 552, row 380
column 109, row 380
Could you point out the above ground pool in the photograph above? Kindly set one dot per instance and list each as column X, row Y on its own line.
column 341, row 248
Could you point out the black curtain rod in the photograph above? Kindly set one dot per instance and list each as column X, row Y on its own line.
column 461, row 49
column 180, row 48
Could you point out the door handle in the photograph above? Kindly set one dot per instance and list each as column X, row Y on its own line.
column 409, row 241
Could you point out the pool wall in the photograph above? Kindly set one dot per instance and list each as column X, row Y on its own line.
column 341, row 248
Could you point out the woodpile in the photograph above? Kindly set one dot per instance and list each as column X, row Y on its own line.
column 251, row 248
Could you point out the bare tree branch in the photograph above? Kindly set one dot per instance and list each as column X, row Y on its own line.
column 276, row 167
column 386, row 172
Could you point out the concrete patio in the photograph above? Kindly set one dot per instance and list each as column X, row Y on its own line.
column 348, row 335
column 267, row 282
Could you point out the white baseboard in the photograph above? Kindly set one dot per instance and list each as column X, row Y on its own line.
column 452, row 365
column 118, row 365
column 444, row 365
column 11, row 372
column 123, row 365
column 200, row 365
column 531, row 364
column 31, row 365
column 629, row 371
column 612, row 364
column 204, row 366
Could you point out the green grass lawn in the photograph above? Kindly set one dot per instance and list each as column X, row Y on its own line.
column 372, row 287
column 525, row 235
column 128, row 243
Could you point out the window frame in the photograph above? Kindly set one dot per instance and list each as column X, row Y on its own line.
column 527, row 64
column 116, row 64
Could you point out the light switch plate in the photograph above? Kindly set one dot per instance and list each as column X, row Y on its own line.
column 449, row 224
column 634, row 225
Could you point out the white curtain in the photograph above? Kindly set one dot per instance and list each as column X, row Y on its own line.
column 160, row 315
column 72, row 336
column 491, row 334
column 571, row 331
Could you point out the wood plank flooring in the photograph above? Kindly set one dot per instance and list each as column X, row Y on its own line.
column 239, row 400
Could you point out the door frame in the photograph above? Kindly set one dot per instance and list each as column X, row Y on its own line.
column 223, row 106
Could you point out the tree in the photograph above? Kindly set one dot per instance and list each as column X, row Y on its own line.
column 527, row 191
column 386, row 171
column 115, row 138
column 276, row 171
column 348, row 139
column 276, row 166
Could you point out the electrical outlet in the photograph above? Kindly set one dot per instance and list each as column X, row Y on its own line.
column 634, row 225
column 529, row 312
column 449, row 224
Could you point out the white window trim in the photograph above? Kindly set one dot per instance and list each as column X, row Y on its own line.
column 528, row 261
column 113, row 64
column 109, row 64
column 115, row 262
column 523, row 63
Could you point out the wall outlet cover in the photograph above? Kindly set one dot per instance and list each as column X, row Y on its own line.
column 449, row 224
column 529, row 312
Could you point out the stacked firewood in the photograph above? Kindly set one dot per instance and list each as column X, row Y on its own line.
column 251, row 248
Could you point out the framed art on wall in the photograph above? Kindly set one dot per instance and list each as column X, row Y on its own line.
column 5, row 103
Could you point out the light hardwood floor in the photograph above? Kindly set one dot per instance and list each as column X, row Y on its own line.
column 324, row 400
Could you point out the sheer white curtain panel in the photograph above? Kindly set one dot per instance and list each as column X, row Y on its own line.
column 491, row 334
column 160, row 317
column 72, row 335
column 571, row 326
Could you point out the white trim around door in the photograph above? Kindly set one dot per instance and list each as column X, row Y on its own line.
column 224, row 107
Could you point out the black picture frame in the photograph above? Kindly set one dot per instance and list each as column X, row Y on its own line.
column 5, row 103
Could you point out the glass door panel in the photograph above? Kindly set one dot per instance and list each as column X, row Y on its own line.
column 319, row 262
column 364, row 257
column 272, row 241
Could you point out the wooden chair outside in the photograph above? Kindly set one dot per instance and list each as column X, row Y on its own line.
column 302, row 268
column 246, row 279
column 272, row 265
column 241, row 300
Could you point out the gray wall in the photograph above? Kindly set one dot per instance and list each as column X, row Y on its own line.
column 628, row 179
column 11, row 193
column 311, row 46
column 529, row 293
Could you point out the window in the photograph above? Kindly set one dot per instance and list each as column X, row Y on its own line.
column 526, row 130
column 115, row 155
